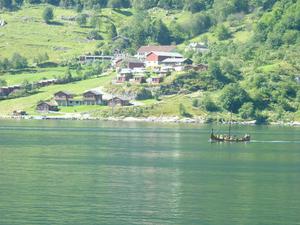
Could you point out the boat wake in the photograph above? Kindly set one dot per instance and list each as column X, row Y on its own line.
column 259, row 141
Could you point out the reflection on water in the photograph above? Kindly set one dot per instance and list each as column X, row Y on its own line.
column 81, row 172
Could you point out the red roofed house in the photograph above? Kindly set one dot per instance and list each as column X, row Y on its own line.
column 145, row 50
column 156, row 58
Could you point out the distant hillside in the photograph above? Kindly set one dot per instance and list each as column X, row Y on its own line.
column 253, row 58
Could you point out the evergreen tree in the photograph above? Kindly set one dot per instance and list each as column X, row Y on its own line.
column 48, row 14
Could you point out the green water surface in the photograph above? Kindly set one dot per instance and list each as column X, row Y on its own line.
column 87, row 172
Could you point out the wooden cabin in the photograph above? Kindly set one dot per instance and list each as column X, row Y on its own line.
column 63, row 98
column 116, row 101
column 92, row 97
column 46, row 107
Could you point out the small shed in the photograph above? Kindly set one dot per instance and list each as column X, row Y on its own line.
column 117, row 101
column 46, row 107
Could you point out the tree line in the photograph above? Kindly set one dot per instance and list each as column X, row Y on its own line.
column 224, row 7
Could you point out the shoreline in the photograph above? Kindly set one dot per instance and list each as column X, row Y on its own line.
column 163, row 119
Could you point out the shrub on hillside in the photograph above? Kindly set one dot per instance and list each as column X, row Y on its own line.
column 48, row 14
column 144, row 94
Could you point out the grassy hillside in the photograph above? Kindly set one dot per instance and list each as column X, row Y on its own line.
column 264, row 68
column 32, row 75
column 29, row 35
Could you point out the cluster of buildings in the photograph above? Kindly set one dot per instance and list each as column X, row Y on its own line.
column 6, row 91
column 150, row 64
column 91, row 97
column 44, row 83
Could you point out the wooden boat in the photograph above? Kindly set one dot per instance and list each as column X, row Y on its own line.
column 228, row 137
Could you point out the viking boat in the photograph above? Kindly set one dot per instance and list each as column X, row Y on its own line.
column 228, row 137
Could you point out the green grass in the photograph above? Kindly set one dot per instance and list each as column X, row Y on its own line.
column 148, row 101
column 29, row 35
column 37, row 75
column 82, row 108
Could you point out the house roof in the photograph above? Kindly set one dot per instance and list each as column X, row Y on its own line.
column 48, row 103
column 160, row 48
column 95, row 92
column 174, row 60
column 63, row 92
column 167, row 54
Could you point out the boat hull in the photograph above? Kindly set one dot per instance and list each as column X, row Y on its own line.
column 215, row 138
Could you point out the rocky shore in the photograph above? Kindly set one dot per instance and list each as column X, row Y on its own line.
column 162, row 119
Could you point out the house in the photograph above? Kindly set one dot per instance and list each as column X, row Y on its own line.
column 5, row 91
column 92, row 58
column 138, row 79
column 117, row 101
column 63, row 98
column 92, row 97
column 143, row 51
column 197, row 47
column 44, row 83
column 124, row 75
column 47, row 107
column 155, row 80
column 297, row 79
column 177, row 63
column 129, row 63
column 156, row 58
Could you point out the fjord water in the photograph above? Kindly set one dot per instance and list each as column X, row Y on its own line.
column 87, row 172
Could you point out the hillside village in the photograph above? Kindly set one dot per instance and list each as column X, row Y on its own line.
column 150, row 65
column 153, row 61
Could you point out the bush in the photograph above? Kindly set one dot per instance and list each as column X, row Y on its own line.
column 94, row 35
column 233, row 97
column 196, row 103
column 222, row 33
column 144, row 94
column 81, row 20
column 3, row 83
column 247, row 110
column 260, row 118
column 18, row 61
column 209, row 105
column 48, row 14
